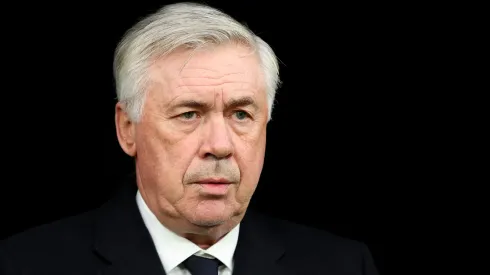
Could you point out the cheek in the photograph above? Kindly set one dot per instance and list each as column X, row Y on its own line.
column 250, row 158
column 165, row 159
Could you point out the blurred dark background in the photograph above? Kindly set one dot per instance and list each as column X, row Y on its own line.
column 336, row 145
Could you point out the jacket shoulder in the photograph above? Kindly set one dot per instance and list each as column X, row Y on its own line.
column 63, row 230
column 297, row 233
column 60, row 240
column 307, row 246
column 302, row 235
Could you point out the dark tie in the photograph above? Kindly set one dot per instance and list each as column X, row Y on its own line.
column 202, row 266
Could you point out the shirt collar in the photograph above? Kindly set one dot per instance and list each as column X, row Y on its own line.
column 174, row 249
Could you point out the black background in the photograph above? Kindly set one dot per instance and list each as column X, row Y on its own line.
column 335, row 149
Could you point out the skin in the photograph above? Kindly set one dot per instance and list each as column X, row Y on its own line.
column 205, row 116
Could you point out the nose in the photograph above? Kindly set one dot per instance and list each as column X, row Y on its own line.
column 216, row 141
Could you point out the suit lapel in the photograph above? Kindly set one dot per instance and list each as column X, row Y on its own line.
column 259, row 248
column 121, row 238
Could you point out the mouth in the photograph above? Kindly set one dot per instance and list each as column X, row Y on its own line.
column 214, row 181
column 214, row 186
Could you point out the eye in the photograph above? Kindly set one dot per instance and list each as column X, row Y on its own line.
column 241, row 115
column 188, row 115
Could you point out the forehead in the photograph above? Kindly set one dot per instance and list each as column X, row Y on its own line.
column 228, row 67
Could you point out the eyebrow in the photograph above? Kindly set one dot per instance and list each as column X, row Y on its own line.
column 191, row 103
column 231, row 104
column 241, row 102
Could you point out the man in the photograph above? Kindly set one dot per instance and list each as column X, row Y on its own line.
column 195, row 91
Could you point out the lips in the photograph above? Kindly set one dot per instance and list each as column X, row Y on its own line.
column 214, row 181
column 214, row 186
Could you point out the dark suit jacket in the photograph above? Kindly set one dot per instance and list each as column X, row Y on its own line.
column 114, row 240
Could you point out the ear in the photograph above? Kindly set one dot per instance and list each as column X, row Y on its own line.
column 125, row 129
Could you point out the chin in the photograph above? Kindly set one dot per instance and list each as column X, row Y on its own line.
column 207, row 223
column 210, row 214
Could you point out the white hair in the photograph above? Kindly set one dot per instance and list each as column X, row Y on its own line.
column 189, row 25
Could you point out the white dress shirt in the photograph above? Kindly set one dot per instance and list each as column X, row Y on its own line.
column 174, row 249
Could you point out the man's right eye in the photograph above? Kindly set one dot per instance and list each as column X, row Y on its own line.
column 188, row 115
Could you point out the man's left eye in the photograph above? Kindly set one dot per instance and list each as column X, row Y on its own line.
column 241, row 115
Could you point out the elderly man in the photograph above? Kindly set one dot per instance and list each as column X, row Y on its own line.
column 195, row 93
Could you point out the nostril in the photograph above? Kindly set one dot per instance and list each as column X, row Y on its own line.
column 215, row 157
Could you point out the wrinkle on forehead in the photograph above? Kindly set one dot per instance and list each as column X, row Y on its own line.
column 243, row 50
column 225, row 67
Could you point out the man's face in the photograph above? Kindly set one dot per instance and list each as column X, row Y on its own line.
column 201, row 141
